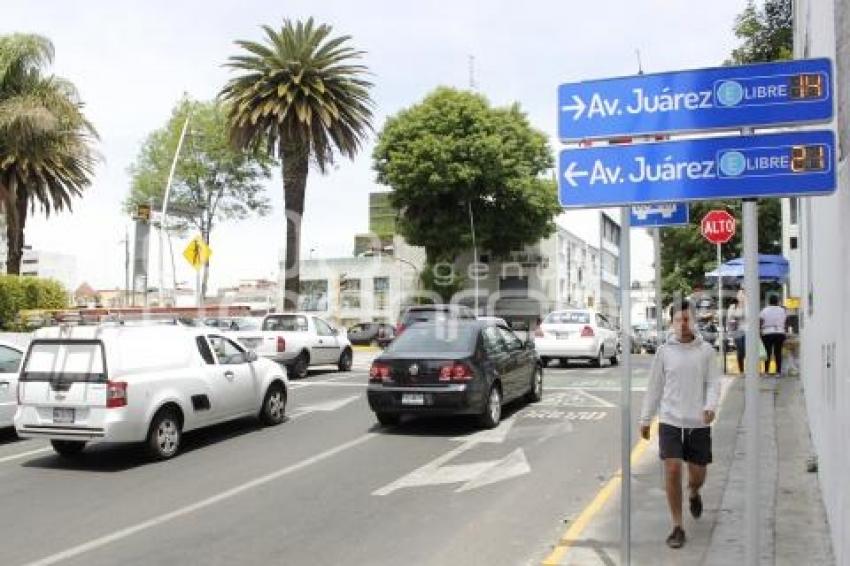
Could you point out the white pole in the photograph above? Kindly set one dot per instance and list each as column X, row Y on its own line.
column 720, row 334
column 474, row 256
column 626, row 388
column 164, row 216
column 751, row 284
column 659, row 313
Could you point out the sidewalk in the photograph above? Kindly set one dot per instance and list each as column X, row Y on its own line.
column 793, row 521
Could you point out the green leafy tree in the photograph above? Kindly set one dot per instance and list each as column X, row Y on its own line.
column 452, row 151
column 302, row 96
column 213, row 182
column 46, row 153
column 766, row 34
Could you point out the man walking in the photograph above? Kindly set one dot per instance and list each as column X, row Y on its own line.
column 773, row 333
column 684, row 390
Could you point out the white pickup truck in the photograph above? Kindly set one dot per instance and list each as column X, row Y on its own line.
column 299, row 341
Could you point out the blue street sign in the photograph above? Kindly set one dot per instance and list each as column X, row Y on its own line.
column 788, row 164
column 659, row 215
column 782, row 93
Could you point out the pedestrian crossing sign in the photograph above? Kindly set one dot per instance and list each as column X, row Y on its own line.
column 197, row 253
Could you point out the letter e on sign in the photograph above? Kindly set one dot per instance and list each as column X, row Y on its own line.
column 718, row 226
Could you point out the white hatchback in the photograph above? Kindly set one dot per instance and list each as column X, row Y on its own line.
column 148, row 383
column 576, row 334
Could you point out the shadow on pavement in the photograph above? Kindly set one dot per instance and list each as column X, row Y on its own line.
column 8, row 436
column 110, row 458
column 442, row 426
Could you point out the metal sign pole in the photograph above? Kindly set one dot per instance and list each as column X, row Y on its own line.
column 659, row 313
column 751, row 285
column 626, row 388
column 721, row 335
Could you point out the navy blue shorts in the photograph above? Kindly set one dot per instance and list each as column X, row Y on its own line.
column 689, row 444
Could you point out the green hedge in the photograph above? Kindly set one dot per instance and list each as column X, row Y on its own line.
column 25, row 293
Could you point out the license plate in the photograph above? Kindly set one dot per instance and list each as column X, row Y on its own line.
column 563, row 335
column 412, row 399
column 63, row 416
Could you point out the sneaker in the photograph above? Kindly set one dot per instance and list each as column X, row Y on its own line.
column 676, row 538
column 696, row 506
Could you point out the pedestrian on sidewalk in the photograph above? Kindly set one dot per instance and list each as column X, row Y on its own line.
column 773, row 332
column 684, row 389
column 736, row 327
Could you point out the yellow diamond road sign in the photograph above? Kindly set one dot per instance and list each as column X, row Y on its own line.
column 197, row 253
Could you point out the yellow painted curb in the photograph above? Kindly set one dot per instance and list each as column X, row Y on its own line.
column 577, row 527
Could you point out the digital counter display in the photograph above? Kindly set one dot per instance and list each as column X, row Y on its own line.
column 807, row 86
column 808, row 158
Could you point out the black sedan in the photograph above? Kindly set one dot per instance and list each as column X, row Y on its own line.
column 455, row 367
column 371, row 334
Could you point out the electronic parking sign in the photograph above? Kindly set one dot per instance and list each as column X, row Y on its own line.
column 722, row 98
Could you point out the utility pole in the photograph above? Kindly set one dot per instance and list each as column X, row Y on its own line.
column 126, row 267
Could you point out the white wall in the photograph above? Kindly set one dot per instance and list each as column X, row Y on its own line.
column 824, row 272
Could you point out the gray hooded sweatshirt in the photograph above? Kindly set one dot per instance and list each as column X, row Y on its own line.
column 684, row 382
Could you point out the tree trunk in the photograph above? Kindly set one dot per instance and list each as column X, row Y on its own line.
column 295, row 169
column 16, row 219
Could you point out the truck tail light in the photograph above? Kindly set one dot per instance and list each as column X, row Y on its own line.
column 116, row 394
column 281, row 344
column 587, row 332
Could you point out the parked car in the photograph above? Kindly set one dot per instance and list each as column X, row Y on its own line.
column 433, row 313
column 150, row 384
column 456, row 367
column 495, row 320
column 10, row 363
column 708, row 331
column 371, row 334
column 577, row 334
column 299, row 341
column 235, row 323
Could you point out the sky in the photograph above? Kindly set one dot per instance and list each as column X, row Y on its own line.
column 132, row 60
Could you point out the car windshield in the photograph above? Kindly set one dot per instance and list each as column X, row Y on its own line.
column 568, row 317
column 427, row 315
column 435, row 338
column 248, row 324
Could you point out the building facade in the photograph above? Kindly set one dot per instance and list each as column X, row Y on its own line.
column 817, row 243
column 47, row 265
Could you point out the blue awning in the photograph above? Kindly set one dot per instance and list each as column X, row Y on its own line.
column 771, row 268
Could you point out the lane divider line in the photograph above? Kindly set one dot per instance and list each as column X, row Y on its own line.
column 24, row 454
column 188, row 509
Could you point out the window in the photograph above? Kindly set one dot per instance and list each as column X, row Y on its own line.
column 10, row 360
column 314, row 295
column 382, row 291
column 349, row 293
column 323, row 328
column 793, row 242
column 381, row 284
column 204, row 350
column 601, row 322
column 510, row 339
column 226, row 351
column 518, row 286
column 494, row 342
column 568, row 317
column 794, row 209
column 285, row 323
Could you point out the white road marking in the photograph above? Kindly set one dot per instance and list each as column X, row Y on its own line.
column 188, row 509
column 575, row 398
column 333, row 384
column 474, row 474
column 326, row 406
column 24, row 454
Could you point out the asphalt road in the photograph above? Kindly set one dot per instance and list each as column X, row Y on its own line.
column 329, row 486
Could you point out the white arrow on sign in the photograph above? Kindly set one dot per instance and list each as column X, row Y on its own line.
column 571, row 173
column 578, row 108
column 472, row 475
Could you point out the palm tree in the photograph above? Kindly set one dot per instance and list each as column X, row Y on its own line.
column 300, row 95
column 46, row 157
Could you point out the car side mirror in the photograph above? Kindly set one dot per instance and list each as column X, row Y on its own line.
column 529, row 344
column 251, row 356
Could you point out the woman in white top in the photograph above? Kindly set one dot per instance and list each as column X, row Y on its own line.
column 773, row 332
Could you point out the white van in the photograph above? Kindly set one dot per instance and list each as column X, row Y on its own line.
column 147, row 383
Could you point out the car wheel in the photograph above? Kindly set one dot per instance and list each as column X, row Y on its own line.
column 345, row 360
column 492, row 413
column 388, row 419
column 298, row 369
column 614, row 360
column 545, row 362
column 535, row 394
column 164, row 435
column 597, row 362
column 68, row 448
column 274, row 405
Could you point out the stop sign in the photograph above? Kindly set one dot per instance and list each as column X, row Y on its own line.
column 718, row 226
